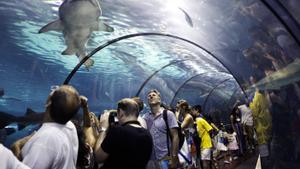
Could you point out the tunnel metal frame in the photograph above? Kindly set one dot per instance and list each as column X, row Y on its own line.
column 211, row 91
column 290, row 24
column 233, row 94
column 286, row 10
column 155, row 72
column 71, row 74
column 186, row 81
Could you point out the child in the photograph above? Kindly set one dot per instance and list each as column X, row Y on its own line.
column 233, row 144
column 222, row 143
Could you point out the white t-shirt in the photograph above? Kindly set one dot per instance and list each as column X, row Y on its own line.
column 247, row 117
column 53, row 146
column 9, row 161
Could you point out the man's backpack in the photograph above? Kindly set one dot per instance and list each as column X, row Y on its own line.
column 181, row 135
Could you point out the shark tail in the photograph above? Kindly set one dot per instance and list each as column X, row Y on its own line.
column 52, row 26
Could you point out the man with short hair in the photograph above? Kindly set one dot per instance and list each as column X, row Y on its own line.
column 203, row 129
column 247, row 122
column 55, row 144
column 161, row 158
column 127, row 145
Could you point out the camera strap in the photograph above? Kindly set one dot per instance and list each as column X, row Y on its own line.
column 131, row 122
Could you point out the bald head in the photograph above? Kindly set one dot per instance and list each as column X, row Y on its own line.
column 63, row 103
column 129, row 106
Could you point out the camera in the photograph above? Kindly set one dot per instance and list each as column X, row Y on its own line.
column 112, row 119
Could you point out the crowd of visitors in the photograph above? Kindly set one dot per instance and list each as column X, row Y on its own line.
column 124, row 138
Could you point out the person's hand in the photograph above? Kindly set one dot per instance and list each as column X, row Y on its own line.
column 16, row 149
column 17, row 146
column 84, row 101
column 103, row 123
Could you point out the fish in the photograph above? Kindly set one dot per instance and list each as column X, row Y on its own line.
column 6, row 118
column 30, row 117
column 282, row 77
column 188, row 19
column 77, row 20
column 3, row 96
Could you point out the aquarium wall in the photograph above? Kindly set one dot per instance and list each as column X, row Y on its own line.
column 215, row 53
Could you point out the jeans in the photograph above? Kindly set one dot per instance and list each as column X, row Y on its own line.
column 163, row 164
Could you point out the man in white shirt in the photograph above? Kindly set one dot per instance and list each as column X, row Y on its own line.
column 247, row 122
column 55, row 144
column 9, row 161
column 246, row 113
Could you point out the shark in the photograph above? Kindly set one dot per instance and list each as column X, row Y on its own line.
column 77, row 20
column 3, row 96
column 30, row 117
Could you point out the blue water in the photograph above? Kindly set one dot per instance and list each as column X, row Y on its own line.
column 35, row 62
column 30, row 63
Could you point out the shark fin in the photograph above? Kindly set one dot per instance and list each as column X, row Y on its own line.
column 52, row 26
column 69, row 51
column 105, row 27
column 29, row 111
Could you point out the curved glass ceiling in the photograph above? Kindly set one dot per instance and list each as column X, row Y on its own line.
column 219, row 46
column 245, row 36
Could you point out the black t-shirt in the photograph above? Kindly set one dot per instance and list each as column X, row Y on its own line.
column 128, row 148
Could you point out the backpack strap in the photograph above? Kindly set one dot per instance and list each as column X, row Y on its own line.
column 165, row 117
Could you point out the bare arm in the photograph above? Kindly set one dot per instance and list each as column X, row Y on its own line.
column 214, row 126
column 187, row 121
column 18, row 145
column 100, row 155
column 174, row 147
column 89, row 130
column 87, row 122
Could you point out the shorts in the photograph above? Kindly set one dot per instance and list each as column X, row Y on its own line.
column 206, row 154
